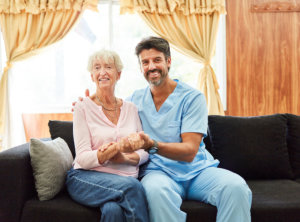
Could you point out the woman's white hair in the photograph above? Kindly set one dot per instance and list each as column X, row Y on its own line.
column 108, row 56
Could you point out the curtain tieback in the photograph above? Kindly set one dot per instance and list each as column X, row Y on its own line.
column 7, row 67
column 206, row 63
column 215, row 81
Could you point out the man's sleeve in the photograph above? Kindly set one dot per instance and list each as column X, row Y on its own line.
column 194, row 118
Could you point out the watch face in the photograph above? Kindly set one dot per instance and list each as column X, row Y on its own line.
column 152, row 150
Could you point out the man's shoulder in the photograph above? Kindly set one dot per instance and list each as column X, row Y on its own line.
column 138, row 94
column 140, row 91
column 188, row 90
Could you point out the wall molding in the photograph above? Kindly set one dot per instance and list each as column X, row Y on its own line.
column 275, row 6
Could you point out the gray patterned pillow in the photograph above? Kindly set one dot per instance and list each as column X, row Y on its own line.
column 50, row 162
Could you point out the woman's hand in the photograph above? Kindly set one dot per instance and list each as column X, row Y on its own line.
column 119, row 158
column 131, row 143
column 107, row 151
column 127, row 158
column 105, row 146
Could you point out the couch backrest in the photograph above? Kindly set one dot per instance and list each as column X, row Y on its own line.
column 293, row 142
column 262, row 147
column 64, row 130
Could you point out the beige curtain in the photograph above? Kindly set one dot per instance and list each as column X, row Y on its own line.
column 30, row 25
column 191, row 27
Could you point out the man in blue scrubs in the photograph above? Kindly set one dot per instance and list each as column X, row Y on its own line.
column 174, row 119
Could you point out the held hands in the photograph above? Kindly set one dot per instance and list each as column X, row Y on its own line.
column 148, row 142
column 131, row 143
column 121, row 151
column 135, row 141
column 111, row 152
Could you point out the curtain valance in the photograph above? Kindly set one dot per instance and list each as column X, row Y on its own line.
column 187, row 7
column 39, row 6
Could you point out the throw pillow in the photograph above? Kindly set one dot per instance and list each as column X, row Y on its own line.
column 293, row 142
column 253, row 147
column 64, row 130
column 50, row 162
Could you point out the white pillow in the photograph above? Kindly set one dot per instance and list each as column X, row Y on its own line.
column 50, row 162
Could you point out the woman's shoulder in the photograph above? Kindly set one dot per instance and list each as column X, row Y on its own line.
column 129, row 105
column 86, row 103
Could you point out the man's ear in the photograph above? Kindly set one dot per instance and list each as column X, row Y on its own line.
column 169, row 62
column 141, row 67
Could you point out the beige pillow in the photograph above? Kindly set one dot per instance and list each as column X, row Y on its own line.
column 50, row 162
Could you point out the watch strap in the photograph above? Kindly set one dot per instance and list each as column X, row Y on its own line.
column 154, row 148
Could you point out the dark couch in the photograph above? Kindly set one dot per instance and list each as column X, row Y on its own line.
column 265, row 150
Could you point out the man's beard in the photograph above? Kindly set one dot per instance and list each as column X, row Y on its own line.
column 157, row 82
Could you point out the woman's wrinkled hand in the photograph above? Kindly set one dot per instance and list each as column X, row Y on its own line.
column 107, row 151
column 131, row 143
column 105, row 146
column 119, row 158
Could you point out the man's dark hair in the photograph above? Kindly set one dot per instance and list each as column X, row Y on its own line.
column 157, row 43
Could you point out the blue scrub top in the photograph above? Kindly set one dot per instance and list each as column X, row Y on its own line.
column 183, row 111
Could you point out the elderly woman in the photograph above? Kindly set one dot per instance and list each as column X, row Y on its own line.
column 102, row 176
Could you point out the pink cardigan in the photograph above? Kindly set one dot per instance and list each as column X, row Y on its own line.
column 92, row 129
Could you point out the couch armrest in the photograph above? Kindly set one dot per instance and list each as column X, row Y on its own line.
column 17, row 182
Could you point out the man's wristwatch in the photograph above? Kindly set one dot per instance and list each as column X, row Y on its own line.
column 154, row 148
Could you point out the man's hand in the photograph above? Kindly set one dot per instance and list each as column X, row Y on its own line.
column 87, row 94
column 148, row 143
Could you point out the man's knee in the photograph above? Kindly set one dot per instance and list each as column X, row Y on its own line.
column 156, row 190
column 237, row 191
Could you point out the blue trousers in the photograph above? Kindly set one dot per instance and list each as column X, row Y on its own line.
column 219, row 187
column 119, row 198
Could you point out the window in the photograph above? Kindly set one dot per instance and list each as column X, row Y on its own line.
column 51, row 80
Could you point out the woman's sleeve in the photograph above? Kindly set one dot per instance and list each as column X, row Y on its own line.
column 143, row 156
column 86, row 158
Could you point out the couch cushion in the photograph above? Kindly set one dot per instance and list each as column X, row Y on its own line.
column 50, row 162
column 198, row 211
column 60, row 209
column 293, row 142
column 275, row 200
column 64, row 130
column 254, row 147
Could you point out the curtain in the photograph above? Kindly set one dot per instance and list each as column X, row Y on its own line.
column 28, row 26
column 191, row 27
